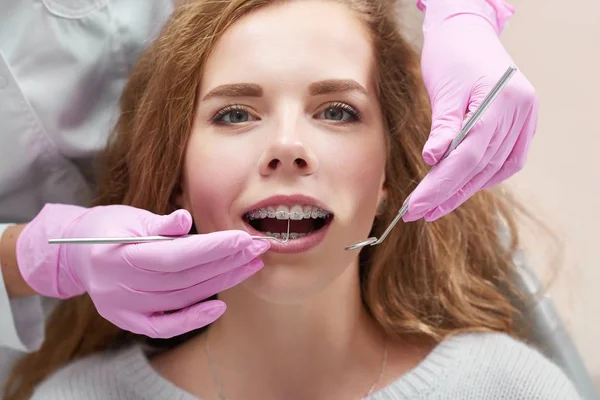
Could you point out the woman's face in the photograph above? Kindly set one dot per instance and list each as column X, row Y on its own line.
column 288, row 125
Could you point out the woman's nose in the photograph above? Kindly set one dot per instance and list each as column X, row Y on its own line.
column 289, row 156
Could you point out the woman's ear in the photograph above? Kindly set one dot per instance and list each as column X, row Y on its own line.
column 382, row 202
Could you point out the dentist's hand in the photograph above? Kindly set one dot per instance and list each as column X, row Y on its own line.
column 133, row 285
column 462, row 60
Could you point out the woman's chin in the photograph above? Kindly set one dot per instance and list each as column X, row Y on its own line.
column 289, row 284
column 297, row 278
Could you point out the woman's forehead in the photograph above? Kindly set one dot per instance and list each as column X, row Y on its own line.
column 294, row 43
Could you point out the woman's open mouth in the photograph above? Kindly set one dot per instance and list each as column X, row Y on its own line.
column 307, row 225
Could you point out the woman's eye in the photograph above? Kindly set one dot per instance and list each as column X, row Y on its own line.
column 233, row 115
column 339, row 112
column 236, row 116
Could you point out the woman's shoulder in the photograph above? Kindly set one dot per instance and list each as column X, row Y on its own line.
column 123, row 374
column 504, row 366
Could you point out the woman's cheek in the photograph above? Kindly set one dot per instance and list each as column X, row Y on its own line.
column 212, row 183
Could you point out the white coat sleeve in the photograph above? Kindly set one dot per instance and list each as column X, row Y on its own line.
column 22, row 319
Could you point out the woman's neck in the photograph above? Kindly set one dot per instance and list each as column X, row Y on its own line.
column 326, row 347
column 298, row 350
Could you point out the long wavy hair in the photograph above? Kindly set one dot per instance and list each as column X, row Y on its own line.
column 436, row 279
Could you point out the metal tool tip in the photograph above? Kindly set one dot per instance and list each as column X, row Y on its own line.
column 362, row 244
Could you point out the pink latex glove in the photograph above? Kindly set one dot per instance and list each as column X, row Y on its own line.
column 132, row 285
column 462, row 60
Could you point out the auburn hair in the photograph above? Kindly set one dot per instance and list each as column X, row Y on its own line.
column 435, row 279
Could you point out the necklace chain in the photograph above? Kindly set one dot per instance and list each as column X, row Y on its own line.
column 222, row 396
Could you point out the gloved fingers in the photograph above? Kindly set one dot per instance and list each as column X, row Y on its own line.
column 177, row 223
column 468, row 190
column 150, row 281
column 184, row 253
column 165, row 326
column 496, row 155
column 515, row 145
column 181, row 298
column 516, row 160
column 501, row 125
column 452, row 173
column 447, row 121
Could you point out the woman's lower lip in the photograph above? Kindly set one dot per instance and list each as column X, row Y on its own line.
column 293, row 245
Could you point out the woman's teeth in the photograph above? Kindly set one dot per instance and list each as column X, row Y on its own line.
column 273, row 221
column 293, row 235
column 296, row 212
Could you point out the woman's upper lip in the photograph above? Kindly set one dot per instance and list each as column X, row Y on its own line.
column 287, row 200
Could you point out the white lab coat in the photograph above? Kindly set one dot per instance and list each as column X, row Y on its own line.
column 63, row 65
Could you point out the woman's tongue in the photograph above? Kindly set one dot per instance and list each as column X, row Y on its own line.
column 274, row 225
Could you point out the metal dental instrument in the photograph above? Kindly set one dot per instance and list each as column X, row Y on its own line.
column 372, row 241
column 144, row 239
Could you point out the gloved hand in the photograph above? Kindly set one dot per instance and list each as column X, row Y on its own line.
column 462, row 60
column 132, row 285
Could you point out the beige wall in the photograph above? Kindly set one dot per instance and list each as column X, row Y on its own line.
column 557, row 46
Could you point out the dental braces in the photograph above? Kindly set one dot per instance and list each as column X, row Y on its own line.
column 296, row 215
column 276, row 239
column 293, row 235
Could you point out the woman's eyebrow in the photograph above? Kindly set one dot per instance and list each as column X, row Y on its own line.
column 336, row 86
column 235, row 90
column 315, row 89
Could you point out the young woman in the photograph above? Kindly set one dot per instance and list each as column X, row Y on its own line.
column 246, row 114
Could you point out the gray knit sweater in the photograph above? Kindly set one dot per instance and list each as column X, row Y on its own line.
column 476, row 366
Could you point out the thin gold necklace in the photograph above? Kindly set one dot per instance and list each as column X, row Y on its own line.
column 222, row 396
